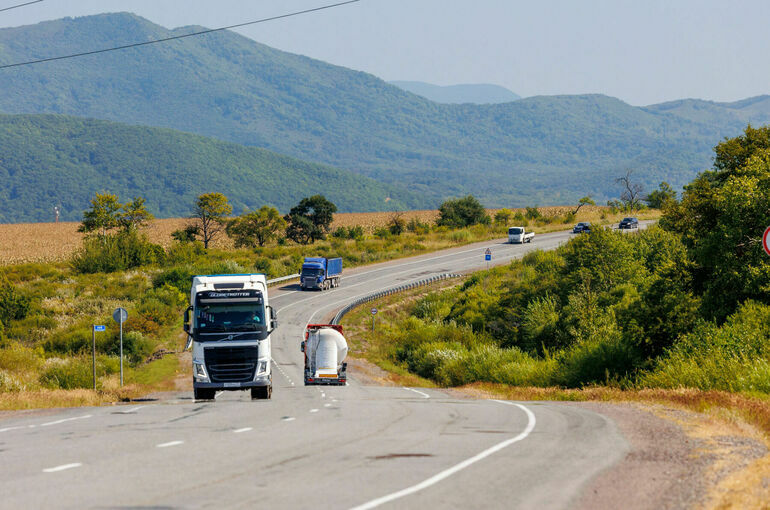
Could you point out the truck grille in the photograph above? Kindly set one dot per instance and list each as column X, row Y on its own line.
column 231, row 364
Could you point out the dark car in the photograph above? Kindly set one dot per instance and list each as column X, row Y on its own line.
column 628, row 223
column 583, row 227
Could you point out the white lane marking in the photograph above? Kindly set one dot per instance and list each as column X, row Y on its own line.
column 288, row 418
column 218, row 393
column 323, row 395
column 244, row 429
column 62, row 467
column 275, row 363
column 457, row 467
column 131, row 411
column 170, row 443
column 327, row 405
column 334, row 400
column 6, row 429
column 424, row 395
column 64, row 420
column 314, row 410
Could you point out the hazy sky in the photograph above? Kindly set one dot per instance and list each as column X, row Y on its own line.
column 642, row 51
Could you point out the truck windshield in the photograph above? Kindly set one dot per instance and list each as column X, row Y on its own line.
column 310, row 271
column 515, row 231
column 230, row 317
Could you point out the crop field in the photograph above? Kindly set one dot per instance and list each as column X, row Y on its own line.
column 50, row 242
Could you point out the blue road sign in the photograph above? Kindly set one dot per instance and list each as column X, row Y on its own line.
column 100, row 328
column 487, row 257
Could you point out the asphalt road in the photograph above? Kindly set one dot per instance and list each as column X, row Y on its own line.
column 340, row 447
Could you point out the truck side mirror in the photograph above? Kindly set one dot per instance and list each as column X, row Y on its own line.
column 187, row 319
column 273, row 318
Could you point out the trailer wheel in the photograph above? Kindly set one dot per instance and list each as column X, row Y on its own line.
column 204, row 393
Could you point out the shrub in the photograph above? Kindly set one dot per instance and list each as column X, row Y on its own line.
column 136, row 346
column 116, row 252
column 462, row 212
column 13, row 305
column 68, row 374
column 540, row 324
column 418, row 227
column 263, row 265
column 179, row 277
column 503, row 216
column 396, row 225
column 532, row 213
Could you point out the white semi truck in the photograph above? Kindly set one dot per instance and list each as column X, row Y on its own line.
column 228, row 323
column 325, row 351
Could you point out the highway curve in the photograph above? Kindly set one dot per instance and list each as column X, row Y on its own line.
column 341, row 447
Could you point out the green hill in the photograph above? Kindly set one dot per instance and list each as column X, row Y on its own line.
column 535, row 150
column 477, row 93
column 49, row 160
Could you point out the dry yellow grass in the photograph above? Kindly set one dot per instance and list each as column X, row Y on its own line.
column 51, row 242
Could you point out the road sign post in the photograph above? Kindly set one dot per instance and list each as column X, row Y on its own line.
column 93, row 355
column 120, row 315
column 374, row 312
column 487, row 257
column 766, row 240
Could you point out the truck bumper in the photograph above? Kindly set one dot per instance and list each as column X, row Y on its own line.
column 234, row 386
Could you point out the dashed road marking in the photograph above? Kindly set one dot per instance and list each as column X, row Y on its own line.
column 314, row 410
column 64, row 420
column 327, row 405
column 130, row 411
column 244, row 429
column 170, row 443
column 288, row 418
column 62, row 467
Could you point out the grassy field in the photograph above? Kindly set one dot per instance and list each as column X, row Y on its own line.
column 52, row 242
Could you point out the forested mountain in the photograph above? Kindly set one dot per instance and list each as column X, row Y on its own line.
column 56, row 160
column 477, row 93
column 533, row 151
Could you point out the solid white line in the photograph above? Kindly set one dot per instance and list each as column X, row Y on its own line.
column 65, row 419
column 62, row 467
column 425, row 395
column 244, row 429
column 170, row 443
column 458, row 467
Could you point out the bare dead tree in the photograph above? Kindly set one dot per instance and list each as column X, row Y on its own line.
column 632, row 191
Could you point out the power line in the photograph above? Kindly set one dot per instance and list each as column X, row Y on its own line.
column 165, row 39
column 20, row 5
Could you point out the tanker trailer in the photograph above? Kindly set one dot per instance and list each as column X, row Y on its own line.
column 325, row 351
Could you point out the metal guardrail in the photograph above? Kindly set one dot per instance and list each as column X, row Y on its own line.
column 388, row 292
column 283, row 278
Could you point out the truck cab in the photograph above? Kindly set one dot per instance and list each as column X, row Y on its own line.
column 229, row 322
column 519, row 235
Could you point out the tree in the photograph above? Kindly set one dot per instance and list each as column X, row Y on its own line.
column 661, row 197
column 310, row 220
column 256, row 227
column 103, row 215
column 462, row 212
column 631, row 196
column 721, row 218
column 397, row 224
column 586, row 200
column 210, row 211
column 135, row 215
column 503, row 216
column 187, row 234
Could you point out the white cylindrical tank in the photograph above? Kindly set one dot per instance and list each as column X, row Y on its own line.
column 328, row 349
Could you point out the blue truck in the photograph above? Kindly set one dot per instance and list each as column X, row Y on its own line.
column 320, row 273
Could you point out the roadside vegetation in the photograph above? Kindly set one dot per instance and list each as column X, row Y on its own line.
column 682, row 305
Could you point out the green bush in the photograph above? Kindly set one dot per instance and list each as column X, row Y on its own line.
column 462, row 212
column 116, row 252
column 68, row 374
column 13, row 305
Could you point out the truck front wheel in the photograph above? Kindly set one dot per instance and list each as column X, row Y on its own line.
column 261, row 392
column 204, row 393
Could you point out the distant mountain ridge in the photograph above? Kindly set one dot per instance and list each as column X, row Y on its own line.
column 537, row 150
column 57, row 160
column 475, row 93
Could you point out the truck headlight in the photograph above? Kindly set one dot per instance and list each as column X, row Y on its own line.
column 262, row 367
column 199, row 372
